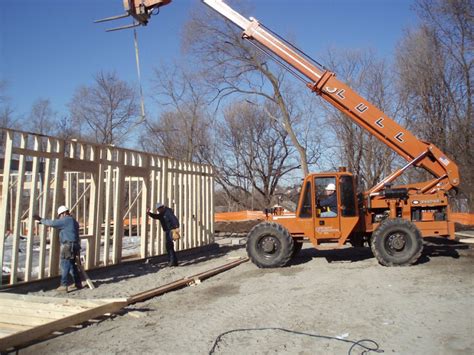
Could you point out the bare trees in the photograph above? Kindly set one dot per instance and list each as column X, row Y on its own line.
column 107, row 110
column 248, row 146
column 42, row 118
column 253, row 154
column 365, row 156
column 232, row 66
column 7, row 114
column 7, row 118
column 435, row 63
column 182, row 131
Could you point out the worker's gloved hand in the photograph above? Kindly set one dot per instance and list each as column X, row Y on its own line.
column 148, row 210
column 36, row 217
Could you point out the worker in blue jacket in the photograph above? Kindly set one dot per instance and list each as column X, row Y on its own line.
column 170, row 224
column 70, row 245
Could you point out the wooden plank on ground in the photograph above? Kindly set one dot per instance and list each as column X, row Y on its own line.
column 142, row 296
column 29, row 321
column 57, row 301
column 13, row 327
column 4, row 332
column 80, row 267
column 22, row 305
column 38, row 319
column 29, row 327
column 56, row 312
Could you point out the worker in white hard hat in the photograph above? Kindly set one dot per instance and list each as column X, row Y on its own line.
column 329, row 202
column 70, row 245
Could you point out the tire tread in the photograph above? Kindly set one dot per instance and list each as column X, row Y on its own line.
column 389, row 223
column 286, row 237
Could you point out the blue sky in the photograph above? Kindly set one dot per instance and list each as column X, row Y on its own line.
column 48, row 48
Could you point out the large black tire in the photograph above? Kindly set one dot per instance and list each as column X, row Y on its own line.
column 397, row 242
column 269, row 245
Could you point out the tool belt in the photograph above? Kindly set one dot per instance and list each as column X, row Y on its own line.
column 69, row 250
column 175, row 234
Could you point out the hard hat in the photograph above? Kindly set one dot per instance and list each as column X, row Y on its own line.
column 331, row 187
column 159, row 205
column 62, row 209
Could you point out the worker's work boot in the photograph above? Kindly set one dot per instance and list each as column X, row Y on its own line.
column 76, row 287
column 62, row 288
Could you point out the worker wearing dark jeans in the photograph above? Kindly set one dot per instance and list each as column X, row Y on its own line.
column 70, row 245
column 170, row 224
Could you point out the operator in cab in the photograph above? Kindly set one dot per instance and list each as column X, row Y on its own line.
column 329, row 202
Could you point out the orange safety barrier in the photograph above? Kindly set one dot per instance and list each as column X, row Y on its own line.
column 238, row 216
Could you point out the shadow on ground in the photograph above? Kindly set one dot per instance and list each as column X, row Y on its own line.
column 432, row 248
column 132, row 269
column 334, row 255
column 441, row 247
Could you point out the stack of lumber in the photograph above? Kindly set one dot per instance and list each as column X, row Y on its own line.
column 25, row 318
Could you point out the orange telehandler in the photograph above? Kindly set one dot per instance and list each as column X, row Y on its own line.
column 393, row 219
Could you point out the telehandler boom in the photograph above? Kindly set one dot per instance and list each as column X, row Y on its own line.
column 393, row 219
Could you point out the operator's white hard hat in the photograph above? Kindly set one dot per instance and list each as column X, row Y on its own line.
column 331, row 187
column 62, row 209
column 159, row 205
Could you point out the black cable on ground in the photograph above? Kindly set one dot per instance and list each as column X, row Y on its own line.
column 370, row 345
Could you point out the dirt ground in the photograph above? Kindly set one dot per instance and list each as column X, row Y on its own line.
column 423, row 309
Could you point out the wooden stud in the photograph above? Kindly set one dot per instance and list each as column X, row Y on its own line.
column 17, row 213
column 165, row 197
column 5, row 190
column 57, row 197
column 175, row 193
column 211, row 209
column 99, row 203
column 44, row 208
column 85, row 187
column 195, row 207
column 92, row 210
column 199, row 206
column 179, row 211
column 190, row 201
column 118, row 211
column 129, row 207
column 68, row 190
column 159, row 197
column 203, row 207
column 108, row 207
column 207, row 204
column 186, row 204
column 146, row 248
column 77, row 198
column 152, row 199
column 32, row 225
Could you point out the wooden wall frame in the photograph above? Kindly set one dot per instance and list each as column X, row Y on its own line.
column 108, row 190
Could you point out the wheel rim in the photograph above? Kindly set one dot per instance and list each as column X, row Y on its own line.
column 268, row 246
column 397, row 243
